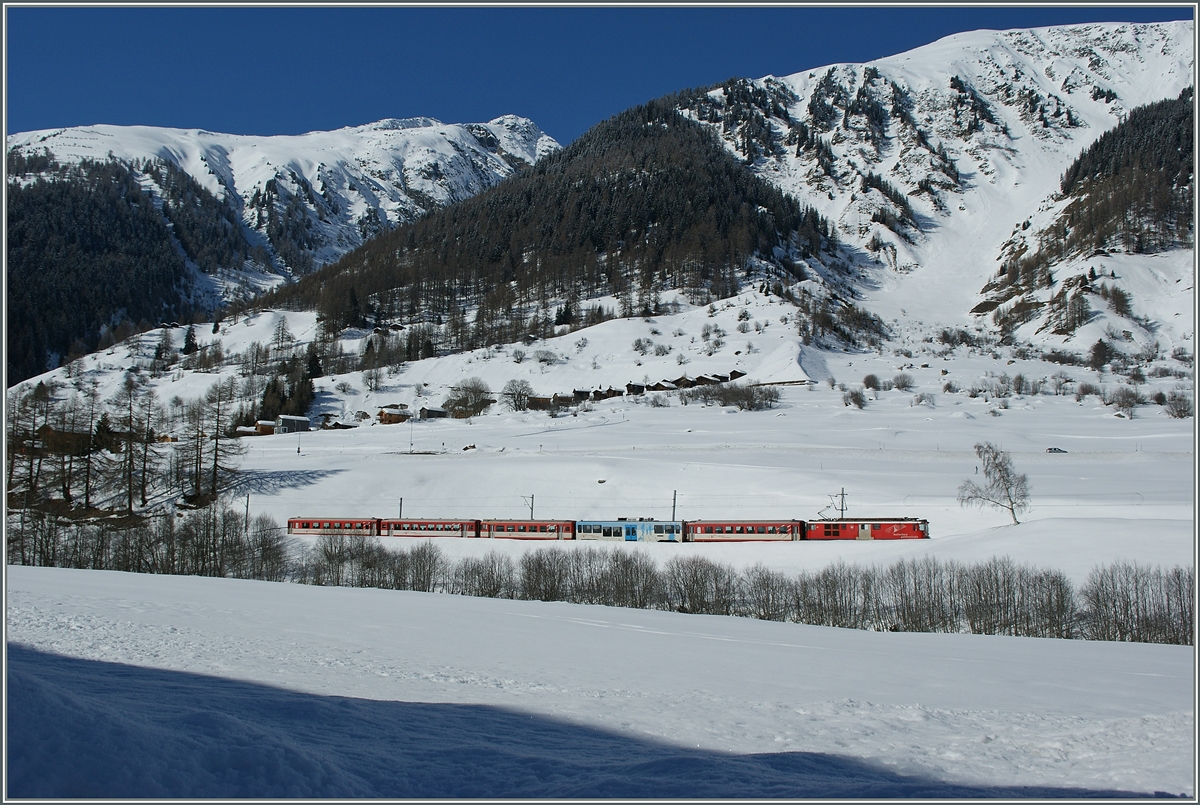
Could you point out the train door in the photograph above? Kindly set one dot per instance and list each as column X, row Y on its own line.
column 631, row 534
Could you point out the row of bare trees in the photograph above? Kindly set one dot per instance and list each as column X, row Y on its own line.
column 211, row 541
column 1123, row 601
column 70, row 447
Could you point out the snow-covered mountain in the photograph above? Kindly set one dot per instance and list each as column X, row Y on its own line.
column 927, row 160
column 308, row 199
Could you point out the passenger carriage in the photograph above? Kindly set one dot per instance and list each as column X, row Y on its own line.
column 354, row 526
column 406, row 527
column 527, row 529
column 743, row 530
column 630, row 530
column 868, row 529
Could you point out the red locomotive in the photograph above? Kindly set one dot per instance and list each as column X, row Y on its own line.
column 868, row 528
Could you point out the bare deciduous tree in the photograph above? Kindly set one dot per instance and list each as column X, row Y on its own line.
column 516, row 394
column 1005, row 487
column 470, row 397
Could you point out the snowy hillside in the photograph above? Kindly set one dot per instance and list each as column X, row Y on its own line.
column 929, row 159
column 326, row 191
column 903, row 454
column 123, row 686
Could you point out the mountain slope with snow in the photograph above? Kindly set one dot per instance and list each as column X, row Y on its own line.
column 927, row 160
column 308, row 199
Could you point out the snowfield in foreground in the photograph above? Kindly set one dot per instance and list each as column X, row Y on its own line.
column 125, row 685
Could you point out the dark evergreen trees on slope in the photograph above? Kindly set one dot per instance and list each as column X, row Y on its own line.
column 207, row 228
column 1132, row 189
column 1135, row 183
column 646, row 200
column 85, row 245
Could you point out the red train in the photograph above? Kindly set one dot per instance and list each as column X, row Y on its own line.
column 622, row 529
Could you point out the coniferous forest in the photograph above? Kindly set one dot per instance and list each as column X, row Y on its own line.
column 646, row 201
column 92, row 259
column 86, row 251
column 1131, row 189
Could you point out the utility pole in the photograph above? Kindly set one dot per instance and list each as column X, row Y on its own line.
column 530, row 505
column 400, row 514
column 247, row 527
column 674, row 497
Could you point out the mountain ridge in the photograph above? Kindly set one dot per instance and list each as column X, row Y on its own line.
column 342, row 186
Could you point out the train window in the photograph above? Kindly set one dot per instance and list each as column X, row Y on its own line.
column 521, row 528
column 608, row 532
column 770, row 529
column 658, row 529
column 306, row 525
column 762, row 529
column 670, row 529
column 707, row 529
column 541, row 528
column 741, row 530
column 876, row 526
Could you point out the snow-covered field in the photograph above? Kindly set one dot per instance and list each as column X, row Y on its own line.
column 130, row 685
column 124, row 685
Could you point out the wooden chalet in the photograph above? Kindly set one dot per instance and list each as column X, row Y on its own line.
column 393, row 414
column 291, row 424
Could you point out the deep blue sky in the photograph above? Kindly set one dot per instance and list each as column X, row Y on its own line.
column 291, row 70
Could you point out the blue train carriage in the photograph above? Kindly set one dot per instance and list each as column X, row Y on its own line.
column 629, row 530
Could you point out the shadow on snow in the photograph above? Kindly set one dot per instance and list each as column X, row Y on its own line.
column 82, row 728
column 269, row 482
